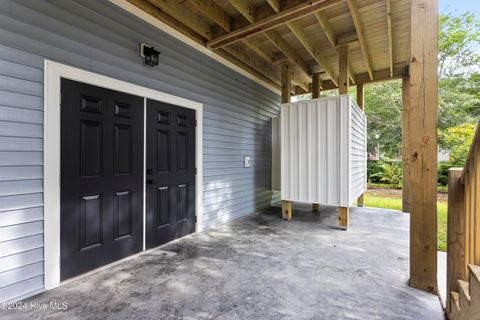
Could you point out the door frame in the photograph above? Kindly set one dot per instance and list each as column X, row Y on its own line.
column 53, row 72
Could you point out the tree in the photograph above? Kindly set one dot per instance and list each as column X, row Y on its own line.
column 458, row 140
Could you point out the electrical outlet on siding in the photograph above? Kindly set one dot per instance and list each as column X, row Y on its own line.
column 246, row 161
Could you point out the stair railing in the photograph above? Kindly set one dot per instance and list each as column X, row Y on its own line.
column 463, row 235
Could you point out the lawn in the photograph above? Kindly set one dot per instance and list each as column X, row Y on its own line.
column 392, row 199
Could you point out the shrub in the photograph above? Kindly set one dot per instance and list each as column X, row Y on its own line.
column 391, row 173
column 443, row 167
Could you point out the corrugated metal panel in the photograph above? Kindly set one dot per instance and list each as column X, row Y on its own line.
column 316, row 155
column 100, row 37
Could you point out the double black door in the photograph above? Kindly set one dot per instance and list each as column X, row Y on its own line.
column 102, row 175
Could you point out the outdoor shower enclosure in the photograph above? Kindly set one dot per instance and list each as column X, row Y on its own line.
column 323, row 151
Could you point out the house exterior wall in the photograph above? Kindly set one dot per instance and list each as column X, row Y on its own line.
column 102, row 38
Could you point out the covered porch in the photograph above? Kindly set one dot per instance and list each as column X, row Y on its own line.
column 260, row 267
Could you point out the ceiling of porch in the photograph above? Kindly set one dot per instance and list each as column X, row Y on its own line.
column 260, row 35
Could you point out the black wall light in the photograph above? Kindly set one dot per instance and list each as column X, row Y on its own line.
column 149, row 54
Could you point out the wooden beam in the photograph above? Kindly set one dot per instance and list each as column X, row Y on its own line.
column 361, row 97
column 312, row 49
column 406, row 191
column 423, row 143
column 389, row 35
column 236, row 60
column 275, row 4
column 352, row 5
column 456, row 234
column 316, row 86
column 177, row 11
column 327, row 29
column 295, row 12
column 168, row 20
column 245, row 8
column 343, row 80
column 361, row 200
column 214, row 12
column 258, row 48
column 287, row 50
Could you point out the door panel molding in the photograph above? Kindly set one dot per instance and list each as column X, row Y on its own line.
column 53, row 73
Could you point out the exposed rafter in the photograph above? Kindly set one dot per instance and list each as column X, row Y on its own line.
column 245, row 8
column 312, row 49
column 389, row 35
column 275, row 4
column 295, row 12
column 214, row 12
column 287, row 50
column 257, row 47
column 177, row 11
column 327, row 29
column 361, row 37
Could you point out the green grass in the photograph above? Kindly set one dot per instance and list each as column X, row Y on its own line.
column 389, row 201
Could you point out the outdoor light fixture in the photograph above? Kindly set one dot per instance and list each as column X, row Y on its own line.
column 149, row 54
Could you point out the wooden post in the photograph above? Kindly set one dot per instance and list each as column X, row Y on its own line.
column 343, row 80
column 316, row 86
column 361, row 105
column 360, row 97
column 286, row 95
column 423, row 101
column 456, row 237
column 406, row 195
column 343, row 217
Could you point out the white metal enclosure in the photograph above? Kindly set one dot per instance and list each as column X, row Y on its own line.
column 323, row 151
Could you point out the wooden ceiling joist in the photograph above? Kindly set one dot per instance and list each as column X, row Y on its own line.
column 312, row 49
column 352, row 5
column 389, row 35
column 258, row 48
column 245, row 8
column 214, row 12
column 332, row 39
column 287, row 50
column 275, row 4
column 177, row 11
column 295, row 12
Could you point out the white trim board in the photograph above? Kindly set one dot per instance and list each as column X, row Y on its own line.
column 53, row 72
column 139, row 13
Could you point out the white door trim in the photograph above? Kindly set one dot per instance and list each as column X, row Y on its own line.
column 53, row 72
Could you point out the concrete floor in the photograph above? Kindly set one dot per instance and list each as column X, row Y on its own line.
column 259, row 267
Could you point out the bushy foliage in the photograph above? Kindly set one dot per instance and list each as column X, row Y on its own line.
column 390, row 173
column 458, row 140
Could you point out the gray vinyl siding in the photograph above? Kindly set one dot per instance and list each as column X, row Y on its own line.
column 102, row 38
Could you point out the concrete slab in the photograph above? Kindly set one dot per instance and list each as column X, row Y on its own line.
column 258, row 267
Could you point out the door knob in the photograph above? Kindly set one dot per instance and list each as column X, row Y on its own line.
column 150, row 181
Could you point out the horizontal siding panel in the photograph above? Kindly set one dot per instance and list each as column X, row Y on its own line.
column 19, row 100
column 11, row 158
column 233, row 203
column 20, row 71
column 18, row 129
column 232, row 189
column 21, row 259
column 21, row 57
column 13, row 114
column 21, row 289
column 27, row 87
column 20, row 144
column 8, row 248
column 20, row 216
column 8, row 203
column 20, row 274
column 8, row 188
column 228, row 182
column 18, row 231
column 9, row 173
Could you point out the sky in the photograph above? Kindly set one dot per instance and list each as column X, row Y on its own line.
column 460, row 6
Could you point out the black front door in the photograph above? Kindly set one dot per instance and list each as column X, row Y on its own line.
column 101, row 176
column 170, row 172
